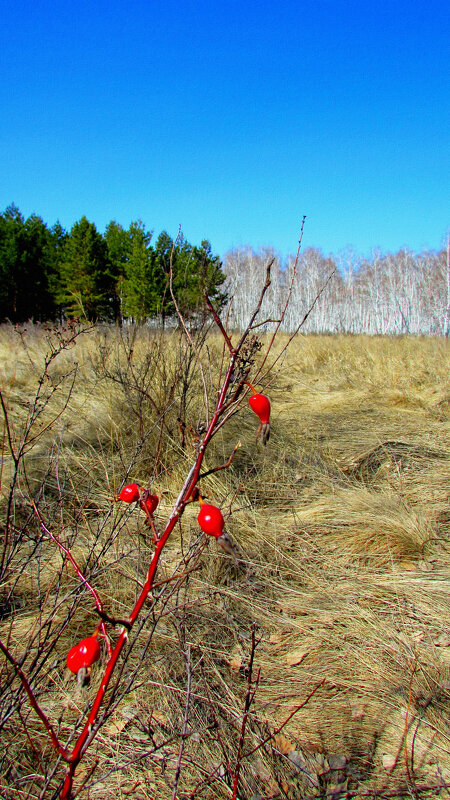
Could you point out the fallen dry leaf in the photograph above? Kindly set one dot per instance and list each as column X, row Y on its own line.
column 358, row 711
column 295, row 657
column 236, row 660
column 283, row 744
column 443, row 640
column 388, row 761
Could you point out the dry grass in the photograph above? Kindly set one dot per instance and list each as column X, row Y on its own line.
column 342, row 527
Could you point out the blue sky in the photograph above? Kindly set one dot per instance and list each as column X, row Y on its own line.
column 231, row 118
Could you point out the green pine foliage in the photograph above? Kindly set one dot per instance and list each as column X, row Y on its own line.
column 137, row 289
column 187, row 273
column 84, row 272
column 28, row 262
column 49, row 274
column 119, row 247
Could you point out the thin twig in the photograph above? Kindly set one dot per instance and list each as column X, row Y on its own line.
column 288, row 299
column 185, row 722
column 258, row 305
column 219, row 323
column 78, row 571
column 295, row 332
column 188, row 335
column 225, row 465
column 249, row 697
column 285, row 722
column 34, row 704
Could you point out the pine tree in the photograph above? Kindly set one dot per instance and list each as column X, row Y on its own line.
column 162, row 257
column 87, row 287
column 118, row 242
column 207, row 277
column 26, row 267
column 37, row 299
column 137, row 290
column 12, row 238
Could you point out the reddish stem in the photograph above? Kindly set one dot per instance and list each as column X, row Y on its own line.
column 77, row 569
column 34, row 704
column 88, row 733
column 219, row 323
column 249, row 697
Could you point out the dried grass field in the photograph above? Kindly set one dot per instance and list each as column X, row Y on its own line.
column 339, row 573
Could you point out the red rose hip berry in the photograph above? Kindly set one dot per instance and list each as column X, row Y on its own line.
column 83, row 654
column 150, row 504
column 260, row 404
column 211, row 520
column 130, row 493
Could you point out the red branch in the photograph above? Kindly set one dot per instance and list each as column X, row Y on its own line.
column 34, row 704
column 77, row 569
column 88, row 733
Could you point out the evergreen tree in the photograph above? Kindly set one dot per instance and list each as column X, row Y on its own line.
column 47, row 273
column 118, row 242
column 195, row 272
column 37, row 299
column 137, row 288
column 58, row 239
column 12, row 236
column 162, row 257
column 86, row 287
column 205, row 276
column 26, row 265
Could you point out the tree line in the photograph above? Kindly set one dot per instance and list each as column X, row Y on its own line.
column 387, row 293
column 47, row 273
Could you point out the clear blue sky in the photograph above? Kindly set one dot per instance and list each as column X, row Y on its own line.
column 231, row 118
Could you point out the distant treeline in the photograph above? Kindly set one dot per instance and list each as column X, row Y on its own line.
column 388, row 293
column 123, row 274
column 48, row 273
